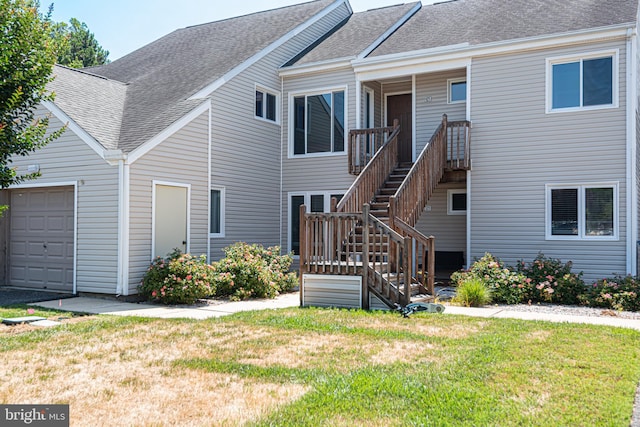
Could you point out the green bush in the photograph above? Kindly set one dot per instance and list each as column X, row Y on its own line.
column 472, row 292
column 617, row 293
column 551, row 280
column 178, row 279
column 252, row 271
column 506, row 286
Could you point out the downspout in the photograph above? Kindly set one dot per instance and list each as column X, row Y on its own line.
column 116, row 157
column 282, row 148
column 632, row 172
column 209, row 151
column 468, row 257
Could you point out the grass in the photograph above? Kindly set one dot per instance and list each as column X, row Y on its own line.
column 324, row 367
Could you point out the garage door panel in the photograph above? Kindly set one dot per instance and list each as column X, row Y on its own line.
column 56, row 223
column 36, row 223
column 42, row 238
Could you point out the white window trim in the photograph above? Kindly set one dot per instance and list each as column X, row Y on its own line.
column 291, row 130
column 581, row 211
column 265, row 90
column 307, row 202
column 372, row 111
column 449, row 83
column 223, row 203
column 450, row 194
column 550, row 62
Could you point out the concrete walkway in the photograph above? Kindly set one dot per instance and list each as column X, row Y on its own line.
column 118, row 308
column 218, row 309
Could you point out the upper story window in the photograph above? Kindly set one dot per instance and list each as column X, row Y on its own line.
column 266, row 104
column 582, row 211
column 587, row 82
column 319, row 123
column 456, row 90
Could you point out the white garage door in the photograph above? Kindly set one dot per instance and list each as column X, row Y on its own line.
column 41, row 231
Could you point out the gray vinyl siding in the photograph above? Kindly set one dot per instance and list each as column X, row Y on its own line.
column 182, row 159
column 450, row 231
column 517, row 149
column 97, row 205
column 429, row 112
column 246, row 151
column 315, row 173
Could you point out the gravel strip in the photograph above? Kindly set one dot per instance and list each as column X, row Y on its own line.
column 569, row 310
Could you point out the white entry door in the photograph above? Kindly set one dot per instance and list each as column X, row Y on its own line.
column 171, row 219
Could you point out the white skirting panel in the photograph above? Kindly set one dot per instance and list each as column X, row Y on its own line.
column 320, row 290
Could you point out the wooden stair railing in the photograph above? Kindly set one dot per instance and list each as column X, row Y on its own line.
column 423, row 262
column 327, row 246
column 364, row 144
column 410, row 199
column 372, row 176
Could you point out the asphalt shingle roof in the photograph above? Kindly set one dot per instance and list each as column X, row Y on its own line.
column 356, row 34
column 484, row 21
column 161, row 76
column 95, row 103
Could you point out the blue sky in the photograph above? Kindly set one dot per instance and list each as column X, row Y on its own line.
column 122, row 26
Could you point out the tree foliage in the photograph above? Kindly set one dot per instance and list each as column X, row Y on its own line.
column 77, row 46
column 27, row 55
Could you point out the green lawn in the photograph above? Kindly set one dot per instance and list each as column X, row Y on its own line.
column 325, row 367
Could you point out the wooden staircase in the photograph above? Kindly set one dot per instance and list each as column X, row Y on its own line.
column 371, row 231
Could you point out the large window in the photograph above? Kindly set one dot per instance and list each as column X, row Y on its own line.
column 216, row 224
column 319, row 123
column 315, row 202
column 266, row 104
column 582, row 211
column 582, row 83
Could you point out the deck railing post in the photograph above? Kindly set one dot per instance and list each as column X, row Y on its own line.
column 302, row 246
column 365, row 256
column 432, row 266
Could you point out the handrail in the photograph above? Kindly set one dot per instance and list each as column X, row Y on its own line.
column 388, row 271
column 372, row 177
column 364, row 144
column 425, row 254
column 412, row 196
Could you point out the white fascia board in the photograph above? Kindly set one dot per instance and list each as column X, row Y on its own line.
column 75, row 128
column 390, row 31
column 175, row 127
column 414, row 60
column 317, row 67
column 408, row 70
column 208, row 90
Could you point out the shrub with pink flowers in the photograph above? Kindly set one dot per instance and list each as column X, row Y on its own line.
column 551, row 280
column 252, row 271
column 505, row 285
column 616, row 293
column 178, row 279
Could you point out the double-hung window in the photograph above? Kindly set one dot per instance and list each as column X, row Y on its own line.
column 588, row 82
column 318, row 123
column 266, row 106
column 582, row 211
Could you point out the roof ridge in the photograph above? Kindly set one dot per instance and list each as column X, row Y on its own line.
column 83, row 71
column 247, row 14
